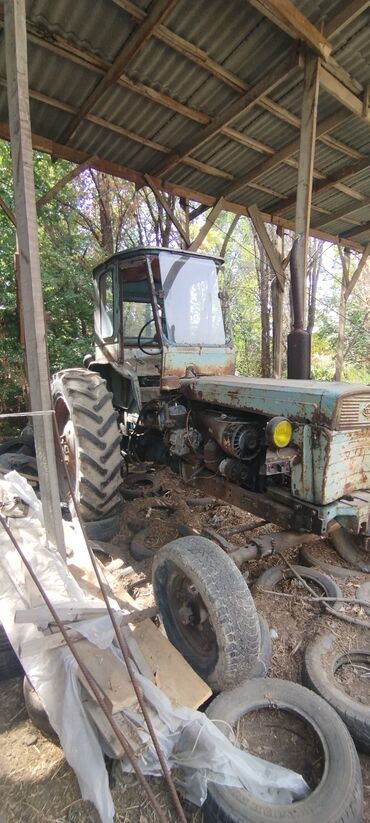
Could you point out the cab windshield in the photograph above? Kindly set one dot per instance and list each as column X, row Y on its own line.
column 192, row 305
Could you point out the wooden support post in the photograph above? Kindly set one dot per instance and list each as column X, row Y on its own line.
column 25, row 210
column 202, row 234
column 305, row 164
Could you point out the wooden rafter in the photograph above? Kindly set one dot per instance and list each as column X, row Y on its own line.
column 8, row 211
column 100, row 66
column 44, row 144
column 345, row 15
column 131, row 48
column 337, row 177
column 211, row 217
column 341, row 213
column 346, row 97
column 285, row 15
column 362, row 228
column 238, row 107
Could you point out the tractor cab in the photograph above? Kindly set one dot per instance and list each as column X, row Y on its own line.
column 158, row 314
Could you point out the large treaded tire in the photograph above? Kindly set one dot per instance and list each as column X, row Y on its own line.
column 322, row 658
column 85, row 414
column 231, row 612
column 337, row 798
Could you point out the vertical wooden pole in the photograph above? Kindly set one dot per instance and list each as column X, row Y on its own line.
column 305, row 164
column 30, row 278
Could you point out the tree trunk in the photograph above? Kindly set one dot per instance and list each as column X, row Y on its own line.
column 313, row 279
column 263, row 276
column 102, row 183
column 339, row 357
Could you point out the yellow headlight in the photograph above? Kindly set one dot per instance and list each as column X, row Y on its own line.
column 279, row 432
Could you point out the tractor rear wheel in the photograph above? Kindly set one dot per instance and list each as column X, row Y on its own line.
column 87, row 426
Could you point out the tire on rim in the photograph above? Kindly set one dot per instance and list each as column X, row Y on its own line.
column 338, row 796
column 87, row 425
column 207, row 610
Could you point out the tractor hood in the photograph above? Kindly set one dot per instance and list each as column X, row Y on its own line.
column 339, row 406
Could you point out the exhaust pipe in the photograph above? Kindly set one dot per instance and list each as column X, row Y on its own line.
column 299, row 340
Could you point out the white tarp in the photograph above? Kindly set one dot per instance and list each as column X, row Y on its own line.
column 192, row 744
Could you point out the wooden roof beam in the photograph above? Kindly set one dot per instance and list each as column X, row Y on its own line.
column 131, row 48
column 285, row 15
column 337, row 177
column 271, row 250
column 65, row 152
column 362, row 228
column 346, row 14
column 342, row 213
column 346, row 97
column 59, row 185
column 244, row 103
column 162, row 200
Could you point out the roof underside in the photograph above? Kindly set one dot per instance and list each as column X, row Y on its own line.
column 199, row 59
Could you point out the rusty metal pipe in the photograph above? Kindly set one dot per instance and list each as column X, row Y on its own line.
column 85, row 671
column 124, row 649
column 346, row 547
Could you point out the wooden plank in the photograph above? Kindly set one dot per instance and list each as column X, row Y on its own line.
column 110, row 675
column 132, row 47
column 67, row 613
column 363, row 228
column 358, row 271
column 271, row 251
column 285, row 15
column 345, row 15
column 8, row 211
column 244, row 103
column 346, row 97
column 337, row 177
column 167, row 209
column 210, row 219
column 172, row 673
column 305, row 166
column 127, row 728
column 30, row 277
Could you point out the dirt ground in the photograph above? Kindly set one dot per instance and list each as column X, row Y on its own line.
column 36, row 783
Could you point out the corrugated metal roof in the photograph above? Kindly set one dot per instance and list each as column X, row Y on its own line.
column 169, row 91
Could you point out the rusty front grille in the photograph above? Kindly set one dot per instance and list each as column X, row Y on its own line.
column 354, row 412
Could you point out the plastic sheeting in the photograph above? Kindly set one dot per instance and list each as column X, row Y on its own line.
column 193, row 745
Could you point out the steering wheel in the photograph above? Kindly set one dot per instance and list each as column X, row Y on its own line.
column 141, row 347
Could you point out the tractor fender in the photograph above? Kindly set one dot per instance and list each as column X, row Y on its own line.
column 110, row 370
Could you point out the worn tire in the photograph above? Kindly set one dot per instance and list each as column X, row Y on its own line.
column 86, row 418
column 310, row 559
column 322, row 659
column 271, row 577
column 104, row 529
column 231, row 613
column 10, row 665
column 36, row 711
column 263, row 661
column 337, row 798
column 148, row 482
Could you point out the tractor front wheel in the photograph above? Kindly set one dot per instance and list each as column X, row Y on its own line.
column 90, row 438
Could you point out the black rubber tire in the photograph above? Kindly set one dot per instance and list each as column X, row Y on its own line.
column 271, row 577
column 310, row 559
column 337, row 798
column 149, row 480
column 322, row 659
column 228, row 602
column 104, row 529
column 10, row 665
column 22, row 463
column 263, row 662
column 36, row 711
column 82, row 402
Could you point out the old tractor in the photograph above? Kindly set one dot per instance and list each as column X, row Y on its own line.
column 294, row 452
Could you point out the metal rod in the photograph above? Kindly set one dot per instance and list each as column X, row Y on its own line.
column 85, row 671
column 125, row 651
